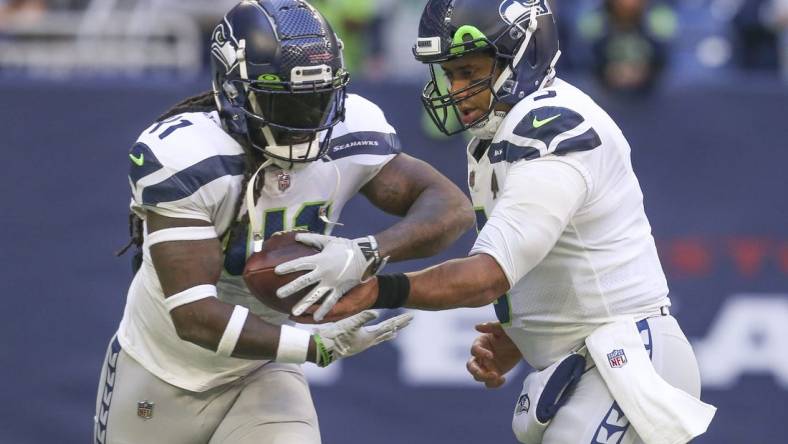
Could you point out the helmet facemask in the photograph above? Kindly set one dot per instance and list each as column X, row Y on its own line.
column 279, row 79
column 290, row 122
column 514, row 67
column 442, row 104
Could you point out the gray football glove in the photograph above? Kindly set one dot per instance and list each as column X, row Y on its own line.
column 340, row 265
column 349, row 336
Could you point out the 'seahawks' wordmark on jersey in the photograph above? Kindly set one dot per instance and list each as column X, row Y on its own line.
column 189, row 167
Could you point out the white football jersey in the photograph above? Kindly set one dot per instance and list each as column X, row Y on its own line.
column 559, row 208
column 187, row 166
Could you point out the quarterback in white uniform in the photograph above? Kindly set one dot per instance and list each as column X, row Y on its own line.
column 278, row 145
column 564, row 244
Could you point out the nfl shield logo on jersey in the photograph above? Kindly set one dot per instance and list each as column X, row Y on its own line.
column 283, row 179
column 617, row 358
column 523, row 404
column 145, row 409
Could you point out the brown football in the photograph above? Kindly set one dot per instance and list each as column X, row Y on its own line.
column 259, row 270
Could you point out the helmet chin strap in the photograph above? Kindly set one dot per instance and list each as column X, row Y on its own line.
column 529, row 33
column 298, row 151
column 548, row 79
column 487, row 128
column 255, row 223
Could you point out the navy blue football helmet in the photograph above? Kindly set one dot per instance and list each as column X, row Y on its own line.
column 520, row 34
column 279, row 78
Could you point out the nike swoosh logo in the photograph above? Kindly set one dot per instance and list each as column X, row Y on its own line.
column 137, row 160
column 540, row 123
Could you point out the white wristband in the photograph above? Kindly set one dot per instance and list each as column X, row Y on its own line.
column 293, row 345
column 189, row 295
column 233, row 331
column 180, row 234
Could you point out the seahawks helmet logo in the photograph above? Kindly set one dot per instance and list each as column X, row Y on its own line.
column 224, row 48
column 512, row 11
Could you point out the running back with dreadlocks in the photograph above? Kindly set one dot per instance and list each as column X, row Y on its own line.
column 205, row 103
column 187, row 176
column 191, row 329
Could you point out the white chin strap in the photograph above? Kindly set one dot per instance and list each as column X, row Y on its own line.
column 303, row 152
column 487, row 128
column 529, row 33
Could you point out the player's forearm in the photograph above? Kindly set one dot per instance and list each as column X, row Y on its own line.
column 434, row 211
column 421, row 233
column 205, row 322
column 469, row 282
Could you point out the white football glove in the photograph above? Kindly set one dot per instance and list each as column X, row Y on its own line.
column 339, row 266
column 349, row 336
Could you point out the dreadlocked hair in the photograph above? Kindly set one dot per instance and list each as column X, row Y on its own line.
column 204, row 102
column 201, row 103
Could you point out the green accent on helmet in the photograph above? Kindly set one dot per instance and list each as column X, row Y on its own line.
column 268, row 78
column 270, row 81
column 466, row 34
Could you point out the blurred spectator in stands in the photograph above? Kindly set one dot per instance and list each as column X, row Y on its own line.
column 755, row 36
column 566, row 18
column 13, row 10
column 359, row 25
column 629, row 42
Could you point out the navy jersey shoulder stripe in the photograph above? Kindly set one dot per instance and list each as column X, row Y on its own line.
column 584, row 142
column 187, row 181
column 364, row 142
column 546, row 95
column 546, row 123
column 509, row 152
column 143, row 162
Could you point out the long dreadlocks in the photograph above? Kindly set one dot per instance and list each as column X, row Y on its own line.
column 203, row 102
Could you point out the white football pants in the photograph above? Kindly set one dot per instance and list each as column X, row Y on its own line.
column 271, row 405
column 591, row 415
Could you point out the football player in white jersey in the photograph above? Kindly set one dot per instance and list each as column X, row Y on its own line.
column 277, row 145
column 564, row 245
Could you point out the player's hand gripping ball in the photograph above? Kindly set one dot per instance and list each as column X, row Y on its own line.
column 259, row 270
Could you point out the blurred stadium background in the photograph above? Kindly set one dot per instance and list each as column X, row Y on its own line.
column 700, row 87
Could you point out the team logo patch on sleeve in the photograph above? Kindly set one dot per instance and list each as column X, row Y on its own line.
column 145, row 409
column 617, row 358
